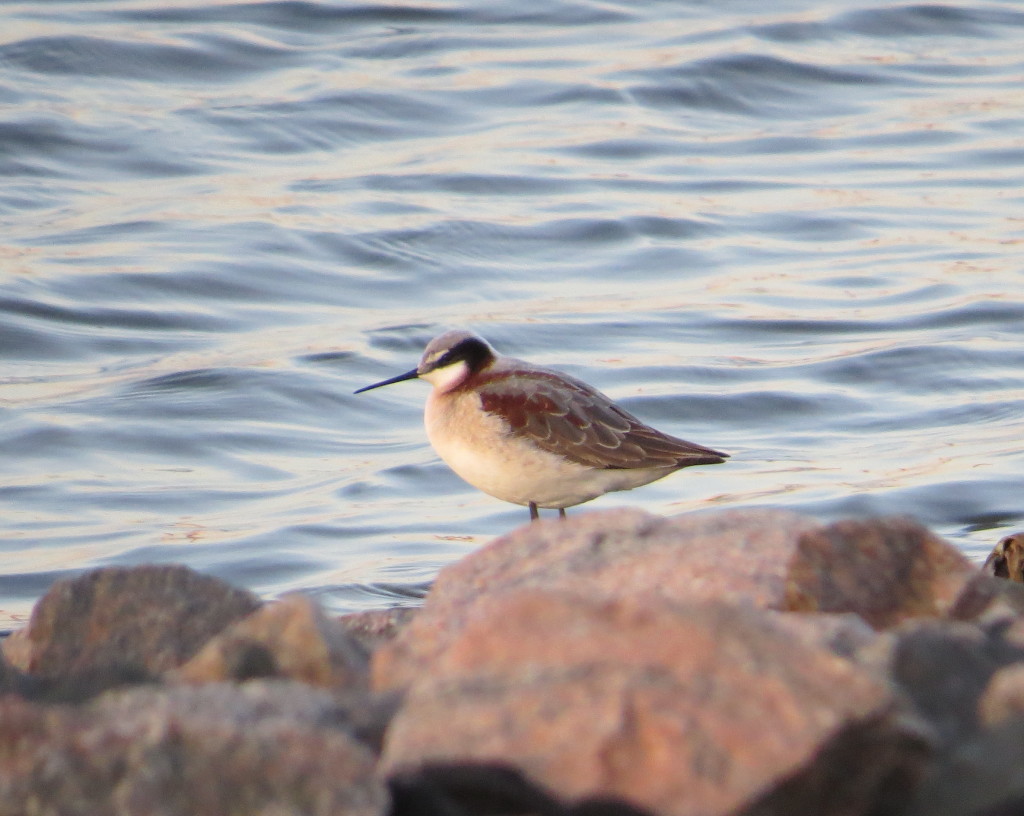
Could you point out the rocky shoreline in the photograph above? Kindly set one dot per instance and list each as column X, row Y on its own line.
column 722, row 662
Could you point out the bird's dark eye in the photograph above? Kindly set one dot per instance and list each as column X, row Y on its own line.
column 472, row 351
column 450, row 357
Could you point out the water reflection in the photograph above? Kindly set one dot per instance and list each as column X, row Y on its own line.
column 791, row 232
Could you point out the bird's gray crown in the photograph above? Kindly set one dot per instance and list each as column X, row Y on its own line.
column 456, row 346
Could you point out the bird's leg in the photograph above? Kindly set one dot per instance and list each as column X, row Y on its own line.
column 534, row 515
column 561, row 512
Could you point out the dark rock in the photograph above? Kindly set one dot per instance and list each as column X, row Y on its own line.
column 12, row 681
column 968, row 681
column 290, row 638
column 216, row 750
column 468, row 790
column 77, row 688
column 487, row 790
column 672, row 708
column 71, row 689
column 885, row 785
column 944, row 667
column 982, row 776
column 138, row 621
column 369, row 716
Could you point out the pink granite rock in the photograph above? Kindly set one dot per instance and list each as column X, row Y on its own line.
column 883, row 571
column 290, row 638
column 675, row 708
column 739, row 555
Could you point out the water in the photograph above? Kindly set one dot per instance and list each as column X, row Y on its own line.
column 791, row 231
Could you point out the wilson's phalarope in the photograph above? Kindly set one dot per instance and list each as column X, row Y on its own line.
column 536, row 437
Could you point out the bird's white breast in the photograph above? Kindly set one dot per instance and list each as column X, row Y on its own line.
column 479, row 447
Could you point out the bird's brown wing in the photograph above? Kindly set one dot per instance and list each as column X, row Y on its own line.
column 567, row 417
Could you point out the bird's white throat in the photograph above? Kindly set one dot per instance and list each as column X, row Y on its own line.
column 446, row 378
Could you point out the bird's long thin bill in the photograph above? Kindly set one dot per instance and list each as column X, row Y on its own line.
column 408, row 375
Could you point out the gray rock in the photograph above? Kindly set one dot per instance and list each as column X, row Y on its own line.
column 983, row 776
column 216, row 750
column 944, row 667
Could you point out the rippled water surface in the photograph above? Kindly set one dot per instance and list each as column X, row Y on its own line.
column 792, row 231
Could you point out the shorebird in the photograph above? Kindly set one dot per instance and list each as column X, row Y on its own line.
column 533, row 436
column 1007, row 559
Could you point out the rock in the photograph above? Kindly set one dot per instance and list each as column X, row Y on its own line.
column 16, row 648
column 885, row 571
column 740, row 555
column 882, row 785
column 983, row 776
column 450, row 790
column 214, row 750
column 968, row 681
column 845, row 635
column 1007, row 559
column 978, row 597
column 944, row 668
column 673, row 708
column 985, row 600
column 12, row 680
column 290, row 638
column 1003, row 697
column 129, row 622
column 375, row 627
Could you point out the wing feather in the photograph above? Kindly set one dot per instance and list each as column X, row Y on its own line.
column 567, row 417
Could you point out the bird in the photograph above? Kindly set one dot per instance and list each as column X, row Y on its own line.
column 1007, row 559
column 534, row 436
